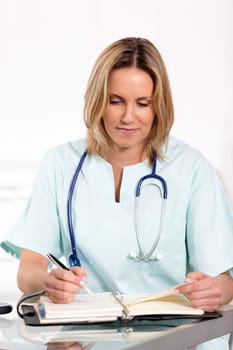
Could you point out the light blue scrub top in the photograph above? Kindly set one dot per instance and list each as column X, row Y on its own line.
column 198, row 224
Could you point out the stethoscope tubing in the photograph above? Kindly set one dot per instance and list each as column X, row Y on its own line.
column 153, row 175
column 73, row 258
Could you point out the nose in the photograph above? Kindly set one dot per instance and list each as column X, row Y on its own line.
column 127, row 114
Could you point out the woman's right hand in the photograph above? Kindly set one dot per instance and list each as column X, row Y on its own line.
column 62, row 285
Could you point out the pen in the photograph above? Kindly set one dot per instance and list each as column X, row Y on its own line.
column 58, row 263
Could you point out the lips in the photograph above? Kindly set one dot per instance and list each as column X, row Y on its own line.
column 127, row 130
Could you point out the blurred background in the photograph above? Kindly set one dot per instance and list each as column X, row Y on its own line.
column 47, row 50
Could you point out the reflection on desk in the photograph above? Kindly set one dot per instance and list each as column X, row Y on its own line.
column 168, row 335
column 83, row 337
column 70, row 345
column 93, row 333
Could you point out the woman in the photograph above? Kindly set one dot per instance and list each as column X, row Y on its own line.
column 129, row 114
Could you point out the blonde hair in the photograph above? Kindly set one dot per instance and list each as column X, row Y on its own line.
column 128, row 52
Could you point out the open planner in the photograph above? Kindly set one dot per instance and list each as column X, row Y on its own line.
column 109, row 307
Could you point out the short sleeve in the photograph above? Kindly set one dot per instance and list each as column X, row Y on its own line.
column 209, row 230
column 38, row 228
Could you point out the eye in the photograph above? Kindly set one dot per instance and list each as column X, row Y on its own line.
column 143, row 103
column 114, row 100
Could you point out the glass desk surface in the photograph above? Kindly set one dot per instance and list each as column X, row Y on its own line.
column 14, row 334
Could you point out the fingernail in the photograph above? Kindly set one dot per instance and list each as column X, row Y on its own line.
column 82, row 283
column 83, row 278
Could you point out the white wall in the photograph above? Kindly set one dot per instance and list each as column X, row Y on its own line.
column 47, row 49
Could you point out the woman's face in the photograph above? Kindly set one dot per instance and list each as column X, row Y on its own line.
column 129, row 114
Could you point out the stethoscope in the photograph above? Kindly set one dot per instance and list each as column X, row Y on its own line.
column 141, row 255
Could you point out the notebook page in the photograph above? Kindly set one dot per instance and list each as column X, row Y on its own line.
column 83, row 306
column 168, row 304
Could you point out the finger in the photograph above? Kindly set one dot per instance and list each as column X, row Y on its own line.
column 79, row 272
column 196, row 276
column 191, row 288
column 64, row 275
column 56, row 286
column 205, row 297
column 187, row 287
column 210, row 309
column 199, row 303
column 206, row 304
column 75, row 275
column 62, row 285
column 189, row 283
column 59, row 296
column 208, row 283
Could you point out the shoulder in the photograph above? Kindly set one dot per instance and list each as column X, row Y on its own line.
column 183, row 153
column 186, row 162
column 177, row 146
column 63, row 154
column 73, row 149
column 61, row 159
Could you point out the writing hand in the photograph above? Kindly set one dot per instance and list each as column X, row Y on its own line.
column 62, row 285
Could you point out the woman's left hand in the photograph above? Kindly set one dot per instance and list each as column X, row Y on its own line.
column 203, row 291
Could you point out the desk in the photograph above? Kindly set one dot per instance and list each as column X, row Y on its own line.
column 15, row 335
column 188, row 336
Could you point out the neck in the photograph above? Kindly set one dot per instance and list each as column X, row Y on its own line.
column 126, row 157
